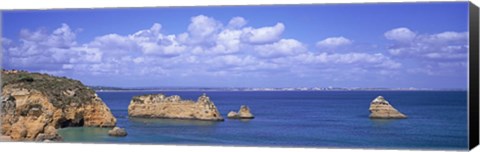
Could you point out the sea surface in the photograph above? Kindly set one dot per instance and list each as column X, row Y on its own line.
column 436, row 120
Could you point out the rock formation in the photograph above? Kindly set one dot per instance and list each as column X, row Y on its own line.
column 243, row 113
column 381, row 109
column 118, row 132
column 161, row 106
column 34, row 105
column 50, row 134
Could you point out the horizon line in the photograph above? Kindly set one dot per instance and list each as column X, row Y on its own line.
column 99, row 87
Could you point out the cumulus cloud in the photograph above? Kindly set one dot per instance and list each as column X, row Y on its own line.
column 41, row 49
column 114, row 43
column 202, row 29
column 284, row 47
column 228, row 41
column 263, row 34
column 432, row 52
column 5, row 43
column 401, row 34
column 207, row 48
column 62, row 37
column 376, row 60
column 237, row 22
column 148, row 41
column 333, row 42
column 440, row 46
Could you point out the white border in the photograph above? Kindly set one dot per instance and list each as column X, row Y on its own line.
column 65, row 4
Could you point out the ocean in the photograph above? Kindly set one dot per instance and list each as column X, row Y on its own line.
column 436, row 120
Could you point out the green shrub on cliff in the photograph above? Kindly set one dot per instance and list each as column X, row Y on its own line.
column 61, row 90
column 25, row 78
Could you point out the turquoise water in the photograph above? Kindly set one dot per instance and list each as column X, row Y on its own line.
column 437, row 120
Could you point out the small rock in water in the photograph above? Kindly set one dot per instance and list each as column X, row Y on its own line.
column 117, row 132
column 232, row 114
column 243, row 113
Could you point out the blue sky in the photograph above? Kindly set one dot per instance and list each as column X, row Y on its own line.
column 422, row 45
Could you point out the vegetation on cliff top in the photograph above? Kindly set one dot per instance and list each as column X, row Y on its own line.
column 60, row 90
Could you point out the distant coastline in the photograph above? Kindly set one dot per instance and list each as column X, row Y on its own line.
column 118, row 89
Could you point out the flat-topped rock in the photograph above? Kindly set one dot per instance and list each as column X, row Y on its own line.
column 173, row 107
column 381, row 109
column 243, row 113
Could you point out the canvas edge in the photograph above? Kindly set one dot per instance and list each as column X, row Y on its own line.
column 473, row 91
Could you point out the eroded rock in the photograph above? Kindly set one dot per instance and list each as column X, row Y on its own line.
column 50, row 134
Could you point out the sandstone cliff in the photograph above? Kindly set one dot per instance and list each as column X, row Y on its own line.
column 381, row 108
column 161, row 106
column 35, row 105
column 243, row 113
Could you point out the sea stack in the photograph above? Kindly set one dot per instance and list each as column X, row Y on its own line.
column 173, row 107
column 381, row 109
column 35, row 105
column 243, row 113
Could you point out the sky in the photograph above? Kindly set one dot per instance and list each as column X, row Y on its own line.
column 420, row 45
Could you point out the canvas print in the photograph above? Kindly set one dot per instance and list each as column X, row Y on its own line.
column 378, row 75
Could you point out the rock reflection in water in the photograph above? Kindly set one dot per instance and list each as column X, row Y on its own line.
column 173, row 122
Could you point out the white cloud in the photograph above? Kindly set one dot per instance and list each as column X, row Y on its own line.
column 228, row 41
column 41, row 49
column 333, row 42
column 62, row 37
column 446, row 56
column 206, row 48
column 432, row 52
column 151, row 34
column 163, row 46
column 367, row 60
column 6, row 41
column 263, row 34
column 446, row 37
column 86, row 55
column 232, row 60
column 37, row 36
column 114, row 44
column 440, row 46
column 67, row 66
column 202, row 29
column 237, row 22
column 401, row 34
column 148, row 41
column 284, row 47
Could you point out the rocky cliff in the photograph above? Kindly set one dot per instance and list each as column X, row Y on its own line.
column 161, row 106
column 243, row 113
column 34, row 105
column 381, row 109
